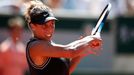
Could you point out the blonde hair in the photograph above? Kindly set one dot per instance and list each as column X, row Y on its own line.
column 31, row 5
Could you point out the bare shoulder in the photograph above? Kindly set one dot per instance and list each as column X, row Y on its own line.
column 36, row 53
column 37, row 48
column 39, row 43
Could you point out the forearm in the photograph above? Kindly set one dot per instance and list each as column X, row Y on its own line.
column 80, row 43
column 74, row 62
column 76, row 48
column 76, row 44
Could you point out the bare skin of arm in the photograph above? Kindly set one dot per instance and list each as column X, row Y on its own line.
column 74, row 51
column 71, row 50
column 75, row 61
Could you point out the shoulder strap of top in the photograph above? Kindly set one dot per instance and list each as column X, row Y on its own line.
column 31, row 40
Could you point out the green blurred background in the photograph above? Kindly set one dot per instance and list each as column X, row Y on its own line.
column 78, row 17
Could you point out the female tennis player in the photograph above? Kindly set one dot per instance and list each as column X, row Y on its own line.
column 44, row 56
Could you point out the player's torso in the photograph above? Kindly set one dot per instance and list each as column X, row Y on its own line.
column 46, row 66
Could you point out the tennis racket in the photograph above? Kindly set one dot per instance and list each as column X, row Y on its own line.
column 101, row 20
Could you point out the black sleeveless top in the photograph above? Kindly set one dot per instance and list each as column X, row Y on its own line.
column 53, row 66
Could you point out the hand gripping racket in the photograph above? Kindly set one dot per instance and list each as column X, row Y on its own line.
column 101, row 20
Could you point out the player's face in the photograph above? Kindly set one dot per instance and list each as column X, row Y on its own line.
column 45, row 31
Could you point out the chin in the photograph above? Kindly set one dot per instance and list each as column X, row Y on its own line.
column 47, row 37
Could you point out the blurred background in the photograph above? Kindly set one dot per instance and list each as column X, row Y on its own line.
column 75, row 18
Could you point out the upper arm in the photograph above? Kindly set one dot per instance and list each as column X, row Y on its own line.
column 48, row 50
column 71, row 50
